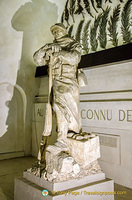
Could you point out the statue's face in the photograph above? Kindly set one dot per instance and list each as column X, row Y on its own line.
column 58, row 33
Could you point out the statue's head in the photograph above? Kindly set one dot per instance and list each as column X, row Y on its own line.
column 58, row 30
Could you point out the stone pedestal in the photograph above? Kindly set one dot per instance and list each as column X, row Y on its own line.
column 93, row 187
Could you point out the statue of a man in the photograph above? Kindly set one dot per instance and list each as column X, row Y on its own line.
column 62, row 56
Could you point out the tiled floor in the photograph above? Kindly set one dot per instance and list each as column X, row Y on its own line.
column 10, row 169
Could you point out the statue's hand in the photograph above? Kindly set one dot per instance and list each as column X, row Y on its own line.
column 56, row 48
column 52, row 47
column 47, row 46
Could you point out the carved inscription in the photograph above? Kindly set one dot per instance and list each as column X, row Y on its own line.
column 40, row 112
column 106, row 114
column 125, row 115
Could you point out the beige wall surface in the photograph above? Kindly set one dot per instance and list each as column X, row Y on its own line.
column 24, row 27
column 106, row 109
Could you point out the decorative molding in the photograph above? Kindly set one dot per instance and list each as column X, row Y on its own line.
column 41, row 99
column 24, row 99
column 4, row 156
column 106, row 92
column 105, row 100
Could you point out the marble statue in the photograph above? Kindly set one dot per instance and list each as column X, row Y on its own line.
column 69, row 156
column 62, row 56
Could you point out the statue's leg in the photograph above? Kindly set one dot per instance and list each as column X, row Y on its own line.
column 62, row 125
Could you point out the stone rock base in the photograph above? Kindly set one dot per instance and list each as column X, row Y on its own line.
column 70, row 160
column 86, row 150
column 73, row 159
column 90, row 187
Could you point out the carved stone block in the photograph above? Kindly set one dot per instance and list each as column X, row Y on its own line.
column 84, row 151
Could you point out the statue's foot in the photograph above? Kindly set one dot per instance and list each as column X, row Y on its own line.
column 80, row 136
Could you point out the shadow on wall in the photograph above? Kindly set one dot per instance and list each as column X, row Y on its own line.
column 33, row 19
column 12, row 141
column 2, row 195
